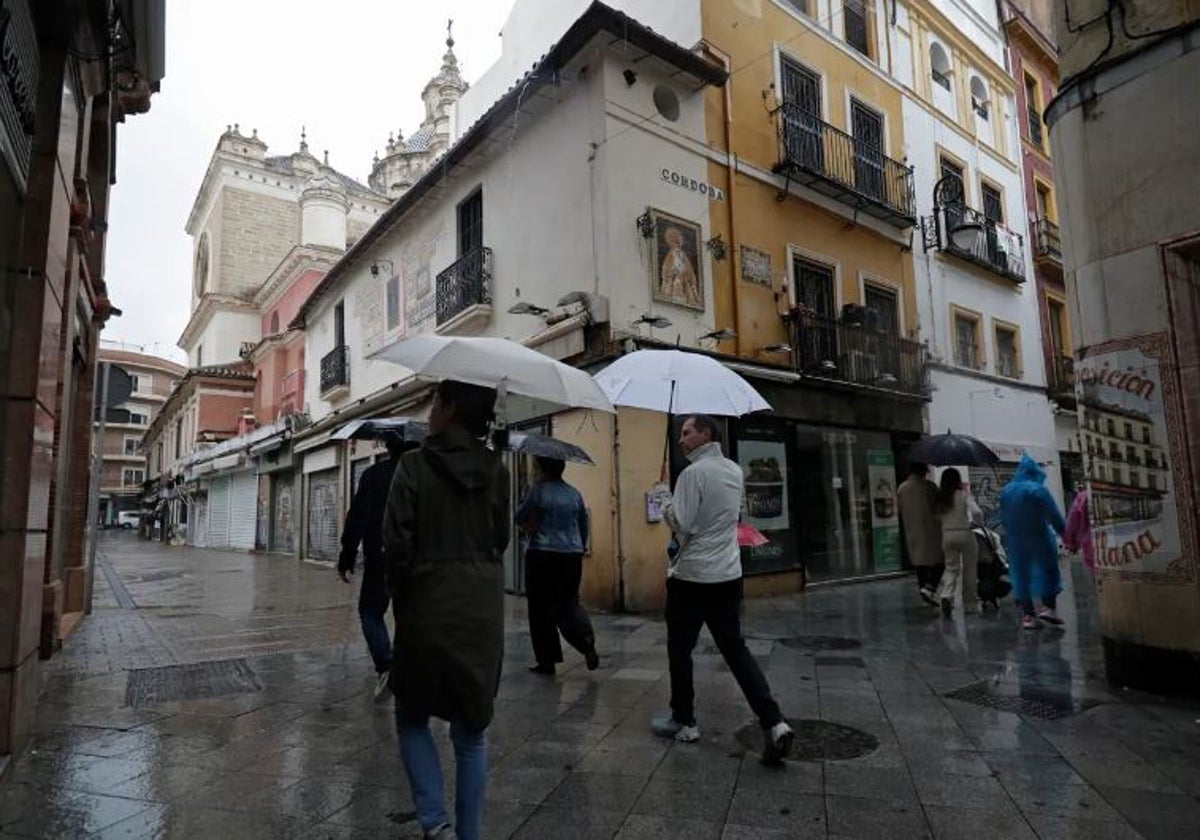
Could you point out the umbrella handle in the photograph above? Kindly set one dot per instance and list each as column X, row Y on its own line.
column 664, row 473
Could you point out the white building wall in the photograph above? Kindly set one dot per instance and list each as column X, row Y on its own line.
column 543, row 230
column 222, row 337
column 534, row 25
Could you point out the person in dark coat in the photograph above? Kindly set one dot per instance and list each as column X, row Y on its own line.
column 364, row 525
column 1032, row 523
column 554, row 517
column 444, row 534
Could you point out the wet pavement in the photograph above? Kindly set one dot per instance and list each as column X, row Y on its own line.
column 215, row 694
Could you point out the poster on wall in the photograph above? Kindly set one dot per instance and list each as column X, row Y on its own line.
column 762, row 453
column 1131, row 424
column 676, row 274
column 885, row 514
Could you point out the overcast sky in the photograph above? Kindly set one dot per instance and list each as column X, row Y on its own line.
column 351, row 71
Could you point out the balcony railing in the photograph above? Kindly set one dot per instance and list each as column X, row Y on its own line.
column 1035, row 127
column 1049, row 245
column 969, row 235
column 335, row 369
column 466, row 283
column 832, row 162
column 857, row 355
column 1062, row 376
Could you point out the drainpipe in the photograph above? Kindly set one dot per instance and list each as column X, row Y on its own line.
column 619, row 537
column 731, row 168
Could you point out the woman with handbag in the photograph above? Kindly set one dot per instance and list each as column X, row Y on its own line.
column 555, row 520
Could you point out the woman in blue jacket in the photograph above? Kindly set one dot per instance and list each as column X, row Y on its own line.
column 1031, row 519
column 556, row 521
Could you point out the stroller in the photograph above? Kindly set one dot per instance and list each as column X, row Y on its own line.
column 992, row 567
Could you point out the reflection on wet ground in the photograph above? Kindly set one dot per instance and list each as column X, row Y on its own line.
column 217, row 694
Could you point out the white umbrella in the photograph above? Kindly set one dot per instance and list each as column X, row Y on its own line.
column 498, row 363
column 676, row 382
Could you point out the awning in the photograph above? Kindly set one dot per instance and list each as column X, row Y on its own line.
column 269, row 445
column 225, row 462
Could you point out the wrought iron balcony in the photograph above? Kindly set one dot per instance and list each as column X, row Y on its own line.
column 857, row 355
column 335, row 370
column 1035, row 127
column 466, row 283
column 1062, row 377
column 832, row 162
column 1048, row 245
column 966, row 233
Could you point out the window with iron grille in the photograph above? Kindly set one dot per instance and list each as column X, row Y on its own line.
column 1033, row 109
column 993, row 204
column 884, row 302
column 1007, row 354
column 854, row 18
column 966, row 341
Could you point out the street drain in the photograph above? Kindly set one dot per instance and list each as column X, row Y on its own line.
column 820, row 643
column 1034, row 702
column 195, row 681
column 816, row 740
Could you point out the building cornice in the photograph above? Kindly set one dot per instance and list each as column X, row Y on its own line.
column 209, row 305
column 300, row 259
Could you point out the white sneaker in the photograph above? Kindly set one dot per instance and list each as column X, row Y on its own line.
column 778, row 743
column 382, row 689
column 668, row 727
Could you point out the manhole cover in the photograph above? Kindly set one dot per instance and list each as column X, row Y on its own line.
column 197, row 681
column 821, row 643
column 842, row 661
column 1035, row 702
column 816, row 740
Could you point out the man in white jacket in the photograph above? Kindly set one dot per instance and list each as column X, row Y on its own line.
column 704, row 587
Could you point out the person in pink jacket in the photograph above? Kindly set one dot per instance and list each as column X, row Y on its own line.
column 1079, row 529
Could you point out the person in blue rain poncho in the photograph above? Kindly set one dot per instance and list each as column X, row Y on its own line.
column 1031, row 519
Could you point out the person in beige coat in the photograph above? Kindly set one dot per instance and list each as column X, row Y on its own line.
column 917, row 497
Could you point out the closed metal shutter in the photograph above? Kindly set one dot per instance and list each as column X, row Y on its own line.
column 283, row 528
column 323, row 526
column 243, row 515
column 218, row 513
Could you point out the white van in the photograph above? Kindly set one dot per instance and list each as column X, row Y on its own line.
column 127, row 519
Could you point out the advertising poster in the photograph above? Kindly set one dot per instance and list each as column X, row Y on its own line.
column 762, row 453
column 885, row 514
column 1131, row 423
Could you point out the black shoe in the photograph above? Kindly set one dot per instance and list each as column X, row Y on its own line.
column 593, row 659
column 947, row 607
column 777, row 744
column 545, row 670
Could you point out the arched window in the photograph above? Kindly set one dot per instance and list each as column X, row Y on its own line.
column 979, row 97
column 275, row 322
column 939, row 63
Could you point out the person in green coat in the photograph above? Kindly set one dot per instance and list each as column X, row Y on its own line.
column 444, row 535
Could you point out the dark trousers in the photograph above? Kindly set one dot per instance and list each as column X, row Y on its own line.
column 373, row 600
column 552, row 591
column 718, row 605
column 929, row 576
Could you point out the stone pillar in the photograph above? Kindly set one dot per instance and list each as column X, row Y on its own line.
column 1127, row 167
column 323, row 210
column 31, row 306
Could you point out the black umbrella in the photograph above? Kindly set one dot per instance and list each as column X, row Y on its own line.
column 952, row 450
column 544, row 446
column 383, row 428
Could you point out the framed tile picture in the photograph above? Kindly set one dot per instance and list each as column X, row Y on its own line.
column 676, row 272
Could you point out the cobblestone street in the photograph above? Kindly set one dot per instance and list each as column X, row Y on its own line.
column 277, row 735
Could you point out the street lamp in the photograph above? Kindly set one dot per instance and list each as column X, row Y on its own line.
column 654, row 321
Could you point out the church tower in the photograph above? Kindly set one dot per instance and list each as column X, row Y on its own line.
column 405, row 161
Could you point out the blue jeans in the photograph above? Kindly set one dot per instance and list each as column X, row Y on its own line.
column 424, row 771
column 372, row 608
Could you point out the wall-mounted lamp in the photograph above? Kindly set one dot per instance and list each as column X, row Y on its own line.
column 522, row 307
column 375, row 266
column 645, row 225
column 654, row 321
column 630, row 76
column 724, row 334
column 716, row 247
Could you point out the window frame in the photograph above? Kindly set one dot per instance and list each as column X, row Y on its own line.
column 866, row 279
column 986, row 184
column 868, row 17
column 976, row 318
column 942, row 80
column 125, row 440
column 999, row 325
column 1036, row 105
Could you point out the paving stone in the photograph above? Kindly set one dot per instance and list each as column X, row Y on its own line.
column 964, row 824
column 855, row 817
